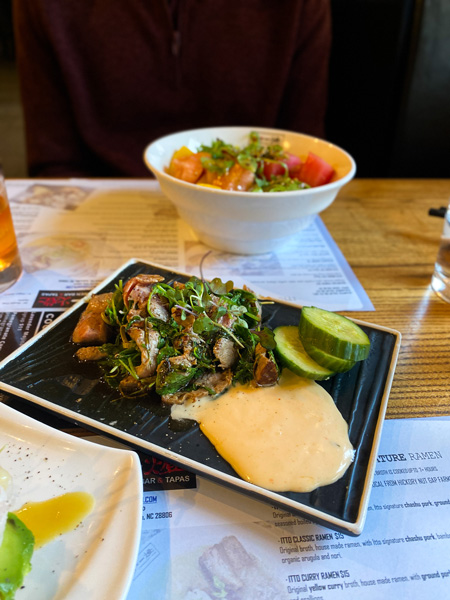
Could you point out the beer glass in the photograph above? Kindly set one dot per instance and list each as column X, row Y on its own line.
column 10, row 263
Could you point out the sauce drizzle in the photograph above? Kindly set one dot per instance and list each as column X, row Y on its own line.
column 288, row 437
column 51, row 518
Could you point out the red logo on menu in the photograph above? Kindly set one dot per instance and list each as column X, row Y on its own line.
column 53, row 301
column 57, row 299
column 158, row 467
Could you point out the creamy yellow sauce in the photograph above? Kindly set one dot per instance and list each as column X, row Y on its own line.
column 288, row 437
column 51, row 518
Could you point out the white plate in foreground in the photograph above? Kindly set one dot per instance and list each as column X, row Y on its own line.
column 96, row 560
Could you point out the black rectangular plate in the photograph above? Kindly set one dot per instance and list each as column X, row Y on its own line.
column 45, row 372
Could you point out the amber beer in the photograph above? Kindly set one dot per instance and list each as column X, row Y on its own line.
column 10, row 264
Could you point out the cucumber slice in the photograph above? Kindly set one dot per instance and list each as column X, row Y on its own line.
column 292, row 354
column 333, row 334
column 338, row 365
column 16, row 550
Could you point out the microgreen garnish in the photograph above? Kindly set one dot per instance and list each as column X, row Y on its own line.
column 253, row 156
column 199, row 313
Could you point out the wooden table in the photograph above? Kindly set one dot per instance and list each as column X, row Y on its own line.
column 388, row 238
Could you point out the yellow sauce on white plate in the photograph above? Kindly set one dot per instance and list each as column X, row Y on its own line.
column 51, row 518
column 288, row 437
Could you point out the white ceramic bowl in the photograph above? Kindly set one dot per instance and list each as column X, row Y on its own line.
column 247, row 222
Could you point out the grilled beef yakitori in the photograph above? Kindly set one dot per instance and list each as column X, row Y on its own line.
column 183, row 340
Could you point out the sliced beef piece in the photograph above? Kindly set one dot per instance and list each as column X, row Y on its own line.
column 227, row 319
column 137, row 289
column 182, row 397
column 159, row 308
column 217, row 382
column 147, row 341
column 265, row 369
column 187, row 342
column 129, row 385
column 91, row 329
column 135, row 296
column 90, row 353
column 210, row 382
column 182, row 361
column 174, row 374
column 183, row 318
column 226, row 353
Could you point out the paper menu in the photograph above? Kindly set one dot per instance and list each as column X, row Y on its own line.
column 309, row 270
column 204, row 542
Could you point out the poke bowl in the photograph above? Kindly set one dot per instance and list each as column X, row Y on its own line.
column 257, row 219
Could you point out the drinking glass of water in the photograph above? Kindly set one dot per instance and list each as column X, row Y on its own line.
column 10, row 263
column 440, row 282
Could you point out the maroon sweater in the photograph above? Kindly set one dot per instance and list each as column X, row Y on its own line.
column 100, row 80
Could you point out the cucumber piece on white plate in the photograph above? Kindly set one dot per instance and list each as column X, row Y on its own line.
column 333, row 334
column 16, row 551
column 292, row 354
